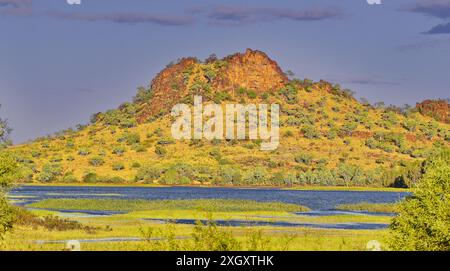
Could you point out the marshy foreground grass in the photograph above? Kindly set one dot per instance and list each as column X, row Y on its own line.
column 135, row 233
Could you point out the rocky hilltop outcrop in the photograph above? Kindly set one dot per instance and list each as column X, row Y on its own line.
column 437, row 109
column 252, row 70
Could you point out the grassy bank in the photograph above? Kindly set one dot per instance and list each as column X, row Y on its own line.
column 209, row 205
column 157, row 236
column 369, row 207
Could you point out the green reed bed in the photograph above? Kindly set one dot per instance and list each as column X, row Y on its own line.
column 369, row 207
column 210, row 205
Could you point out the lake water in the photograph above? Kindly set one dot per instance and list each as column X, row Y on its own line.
column 315, row 200
column 321, row 203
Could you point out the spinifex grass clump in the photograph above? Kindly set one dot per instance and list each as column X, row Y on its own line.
column 144, row 205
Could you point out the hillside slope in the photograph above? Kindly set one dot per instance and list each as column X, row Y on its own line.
column 326, row 137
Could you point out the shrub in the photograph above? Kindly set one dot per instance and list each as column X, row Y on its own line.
column 228, row 175
column 130, row 138
column 69, row 178
column 70, row 144
column 424, row 218
column 290, row 93
column 119, row 151
column 118, row 166
column 220, row 96
column 294, row 121
column 8, row 170
column 348, row 128
column 411, row 174
column 209, row 237
column 251, row 94
column 216, row 154
column 115, row 179
column 148, row 173
column 50, row 172
column 143, row 95
column 410, row 125
column 256, row 176
column 304, row 158
column 52, row 223
column 8, row 173
column 84, row 152
column 35, row 154
column 175, row 176
column 135, row 165
column 371, row 143
column 158, row 132
column 90, row 177
column 332, row 134
column 165, row 141
column 161, row 151
column 289, row 133
column 6, row 216
column 349, row 173
column 310, row 132
column 139, row 148
column 278, row 178
column 96, row 161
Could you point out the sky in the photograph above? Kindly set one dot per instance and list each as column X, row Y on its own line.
column 61, row 63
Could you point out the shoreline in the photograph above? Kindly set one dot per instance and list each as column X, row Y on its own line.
column 299, row 188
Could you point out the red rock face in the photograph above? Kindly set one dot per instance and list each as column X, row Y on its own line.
column 252, row 70
column 168, row 89
column 437, row 109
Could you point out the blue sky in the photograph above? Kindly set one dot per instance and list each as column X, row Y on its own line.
column 61, row 63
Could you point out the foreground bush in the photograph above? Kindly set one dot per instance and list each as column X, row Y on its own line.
column 206, row 236
column 423, row 222
column 24, row 217
column 6, row 216
column 8, row 173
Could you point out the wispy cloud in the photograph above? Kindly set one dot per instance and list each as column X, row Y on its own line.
column 16, row 7
column 217, row 14
column 242, row 15
column 440, row 29
column 434, row 8
column 424, row 45
column 124, row 17
column 360, row 80
column 14, row 3
column 366, row 81
column 25, row 8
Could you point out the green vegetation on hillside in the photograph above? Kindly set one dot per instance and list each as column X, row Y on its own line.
column 328, row 138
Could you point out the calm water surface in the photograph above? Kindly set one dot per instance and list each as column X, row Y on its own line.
column 315, row 200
